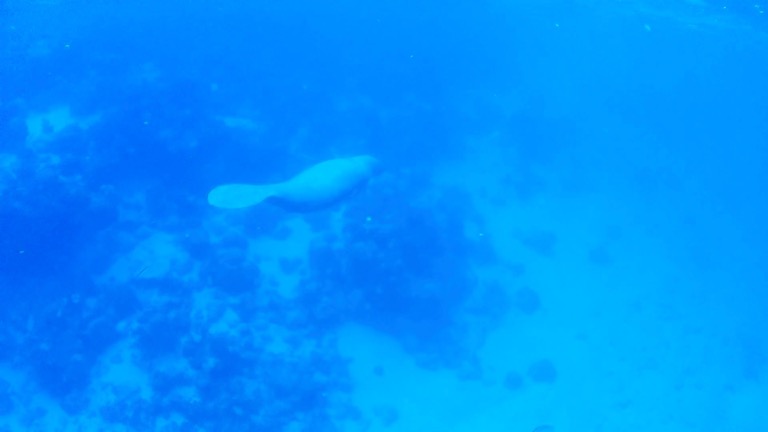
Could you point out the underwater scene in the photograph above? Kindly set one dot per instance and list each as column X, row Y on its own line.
column 384, row 216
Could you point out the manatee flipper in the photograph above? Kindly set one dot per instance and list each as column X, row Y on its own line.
column 240, row 195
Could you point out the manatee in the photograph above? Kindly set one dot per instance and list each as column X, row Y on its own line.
column 314, row 188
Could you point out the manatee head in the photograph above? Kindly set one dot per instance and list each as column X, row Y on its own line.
column 372, row 164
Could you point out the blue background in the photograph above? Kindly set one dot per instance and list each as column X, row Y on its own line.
column 568, row 235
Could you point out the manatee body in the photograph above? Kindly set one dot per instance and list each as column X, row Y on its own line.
column 316, row 187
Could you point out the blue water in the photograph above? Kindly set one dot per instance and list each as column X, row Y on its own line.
column 569, row 226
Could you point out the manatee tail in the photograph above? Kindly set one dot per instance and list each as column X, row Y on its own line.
column 233, row 196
